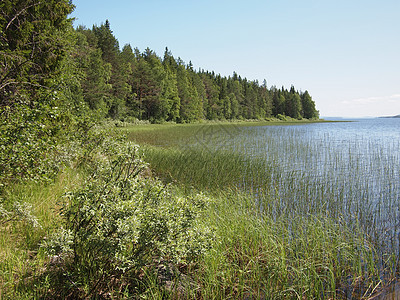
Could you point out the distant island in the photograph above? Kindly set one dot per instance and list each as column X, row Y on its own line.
column 397, row 116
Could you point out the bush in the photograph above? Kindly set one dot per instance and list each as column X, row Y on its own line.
column 120, row 222
column 281, row 117
column 31, row 142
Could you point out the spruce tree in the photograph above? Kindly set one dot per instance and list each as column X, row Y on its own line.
column 32, row 47
column 308, row 105
column 169, row 98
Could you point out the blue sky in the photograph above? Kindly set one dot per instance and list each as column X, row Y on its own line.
column 346, row 53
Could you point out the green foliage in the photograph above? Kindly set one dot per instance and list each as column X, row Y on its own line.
column 128, row 83
column 59, row 242
column 293, row 105
column 281, row 117
column 120, row 222
column 19, row 212
column 31, row 47
column 308, row 105
column 169, row 102
column 26, row 142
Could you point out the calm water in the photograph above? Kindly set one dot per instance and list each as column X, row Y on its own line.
column 367, row 150
column 363, row 155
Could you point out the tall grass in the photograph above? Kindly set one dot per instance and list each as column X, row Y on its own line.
column 20, row 259
column 259, row 256
column 205, row 170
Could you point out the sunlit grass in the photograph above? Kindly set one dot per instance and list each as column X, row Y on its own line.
column 20, row 258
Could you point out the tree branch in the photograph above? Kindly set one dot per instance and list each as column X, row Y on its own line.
column 19, row 13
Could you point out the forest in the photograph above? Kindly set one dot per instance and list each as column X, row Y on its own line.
column 127, row 83
column 87, row 72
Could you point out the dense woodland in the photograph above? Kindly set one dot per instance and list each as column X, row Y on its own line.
column 87, row 69
column 128, row 83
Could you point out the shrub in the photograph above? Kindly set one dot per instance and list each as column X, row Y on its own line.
column 120, row 222
column 281, row 117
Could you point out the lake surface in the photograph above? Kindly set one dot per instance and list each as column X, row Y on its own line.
column 363, row 154
column 346, row 170
column 349, row 170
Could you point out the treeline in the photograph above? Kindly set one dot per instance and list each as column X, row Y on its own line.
column 127, row 83
column 85, row 71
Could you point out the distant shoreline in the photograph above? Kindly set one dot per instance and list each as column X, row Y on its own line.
column 391, row 117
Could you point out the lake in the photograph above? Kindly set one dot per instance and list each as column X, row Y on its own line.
column 348, row 170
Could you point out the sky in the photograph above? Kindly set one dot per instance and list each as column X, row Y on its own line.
column 345, row 53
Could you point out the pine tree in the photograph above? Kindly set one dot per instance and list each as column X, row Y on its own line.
column 107, row 42
column 293, row 104
column 120, row 70
column 238, row 90
column 96, row 87
column 146, row 89
column 278, row 100
column 128, row 58
column 250, row 101
column 169, row 61
column 198, row 84
column 234, row 106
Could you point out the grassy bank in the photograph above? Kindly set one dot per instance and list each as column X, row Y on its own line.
column 253, row 255
column 103, row 228
column 173, row 133
column 32, row 215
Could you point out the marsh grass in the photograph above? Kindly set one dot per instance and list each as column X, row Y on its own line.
column 202, row 169
column 300, row 216
column 264, row 257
